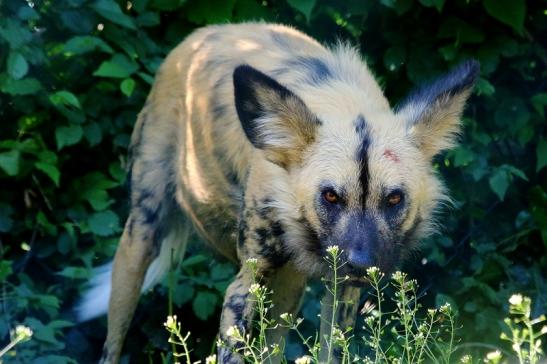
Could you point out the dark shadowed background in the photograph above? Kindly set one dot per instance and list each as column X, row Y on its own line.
column 74, row 74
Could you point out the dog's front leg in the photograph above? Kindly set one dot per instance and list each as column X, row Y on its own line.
column 237, row 313
column 348, row 298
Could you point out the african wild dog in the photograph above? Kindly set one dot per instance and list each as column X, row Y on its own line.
column 274, row 147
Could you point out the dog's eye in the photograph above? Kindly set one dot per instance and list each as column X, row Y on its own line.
column 394, row 198
column 330, row 196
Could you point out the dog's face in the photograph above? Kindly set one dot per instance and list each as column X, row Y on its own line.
column 362, row 181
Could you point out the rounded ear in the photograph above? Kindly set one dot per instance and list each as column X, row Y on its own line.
column 273, row 118
column 433, row 112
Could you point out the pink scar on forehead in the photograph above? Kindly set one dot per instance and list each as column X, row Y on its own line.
column 389, row 154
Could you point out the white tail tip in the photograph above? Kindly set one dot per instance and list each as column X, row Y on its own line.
column 94, row 302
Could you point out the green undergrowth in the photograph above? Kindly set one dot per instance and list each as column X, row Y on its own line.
column 405, row 334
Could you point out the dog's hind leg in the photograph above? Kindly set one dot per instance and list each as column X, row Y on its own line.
column 144, row 255
column 156, row 231
column 131, row 261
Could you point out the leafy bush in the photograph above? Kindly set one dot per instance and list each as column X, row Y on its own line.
column 74, row 74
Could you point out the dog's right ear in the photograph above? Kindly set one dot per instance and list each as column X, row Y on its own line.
column 273, row 118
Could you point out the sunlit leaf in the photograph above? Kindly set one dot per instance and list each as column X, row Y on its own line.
column 110, row 10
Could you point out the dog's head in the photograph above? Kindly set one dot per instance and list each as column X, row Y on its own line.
column 360, row 175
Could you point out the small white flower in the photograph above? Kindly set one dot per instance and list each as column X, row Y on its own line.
column 303, row 360
column 333, row 249
column 398, row 276
column 171, row 322
column 466, row 359
column 233, row 332
column 23, row 333
column 255, row 289
column 373, row 271
column 211, row 359
column 252, row 263
column 493, row 355
column 446, row 308
column 515, row 299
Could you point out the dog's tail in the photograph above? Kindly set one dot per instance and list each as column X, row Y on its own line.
column 94, row 302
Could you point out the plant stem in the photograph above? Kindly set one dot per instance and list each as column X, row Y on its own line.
column 334, row 308
column 9, row 346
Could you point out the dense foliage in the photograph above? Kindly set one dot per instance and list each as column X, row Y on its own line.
column 74, row 74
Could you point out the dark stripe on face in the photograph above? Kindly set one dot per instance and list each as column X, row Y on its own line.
column 361, row 156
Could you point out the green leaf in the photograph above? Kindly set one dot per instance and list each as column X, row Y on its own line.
column 10, row 161
column 146, row 77
column 64, row 98
column 98, row 199
column 25, row 86
column 484, row 87
column 539, row 102
column 98, row 180
column 41, row 332
column 166, row 5
column 50, row 170
column 303, row 6
column 400, row 6
column 515, row 171
column 86, row 43
column 17, row 65
column 204, row 304
column 510, row 12
column 222, row 272
column 438, row 4
column 463, row 156
column 148, row 19
column 68, row 135
column 194, row 260
column 47, row 156
column 118, row 67
column 182, row 294
column 110, row 10
column 461, row 31
column 15, row 33
column 200, row 12
column 5, row 269
column 104, row 223
column 499, row 182
column 541, row 154
column 93, row 133
column 27, row 13
column 65, row 243
column 49, row 228
column 127, row 86
column 6, row 222
column 75, row 273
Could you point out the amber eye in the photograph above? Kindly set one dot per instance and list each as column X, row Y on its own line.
column 394, row 199
column 330, row 196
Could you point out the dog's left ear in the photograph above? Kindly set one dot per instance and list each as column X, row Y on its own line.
column 432, row 113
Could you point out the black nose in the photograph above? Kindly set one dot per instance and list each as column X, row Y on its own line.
column 358, row 260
